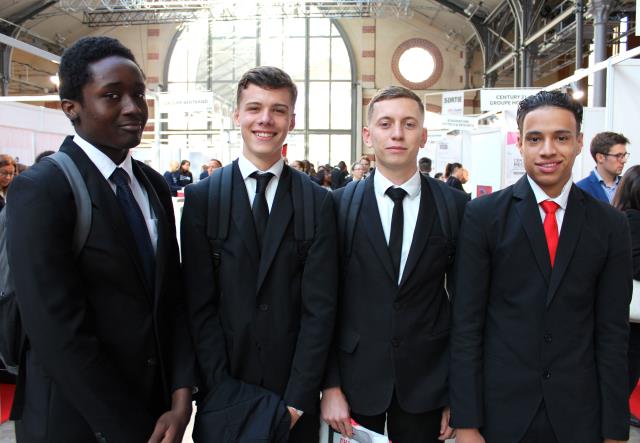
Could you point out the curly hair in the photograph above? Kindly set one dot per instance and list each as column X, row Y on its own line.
column 544, row 99
column 74, row 70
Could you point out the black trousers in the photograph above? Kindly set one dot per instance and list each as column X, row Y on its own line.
column 540, row 430
column 404, row 427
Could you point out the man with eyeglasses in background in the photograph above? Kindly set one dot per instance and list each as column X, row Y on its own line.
column 609, row 151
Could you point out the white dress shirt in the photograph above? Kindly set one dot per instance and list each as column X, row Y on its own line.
column 561, row 200
column 410, row 208
column 247, row 168
column 106, row 167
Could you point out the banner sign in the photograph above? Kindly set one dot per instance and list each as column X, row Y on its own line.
column 453, row 103
column 503, row 99
column 186, row 102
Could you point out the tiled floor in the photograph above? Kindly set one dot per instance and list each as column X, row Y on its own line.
column 7, row 435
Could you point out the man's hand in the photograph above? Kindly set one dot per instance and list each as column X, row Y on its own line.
column 334, row 410
column 469, row 436
column 171, row 425
column 446, row 431
column 294, row 416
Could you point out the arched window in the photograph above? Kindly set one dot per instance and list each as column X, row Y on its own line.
column 213, row 55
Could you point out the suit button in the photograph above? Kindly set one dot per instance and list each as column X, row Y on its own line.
column 151, row 361
column 263, row 307
column 395, row 342
column 548, row 338
column 397, row 305
column 546, row 375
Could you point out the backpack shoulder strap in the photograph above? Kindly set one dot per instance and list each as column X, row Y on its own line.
column 80, row 196
column 219, row 209
column 304, row 220
column 348, row 211
column 447, row 210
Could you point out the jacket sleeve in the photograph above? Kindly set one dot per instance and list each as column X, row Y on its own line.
column 54, row 311
column 202, row 288
column 317, row 316
column 471, row 293
column 612, row 331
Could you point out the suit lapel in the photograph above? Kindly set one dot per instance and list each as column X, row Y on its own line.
column 241, row 214
column 424, row 223
column 569, row 234
column 279, row 218
column 104, row 202
column 373, row 227
column 529, row 214
column 162, row 227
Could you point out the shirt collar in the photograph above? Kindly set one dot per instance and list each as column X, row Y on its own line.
column 382, row 183
column 541, row 196
column 601, row 180
column 247, row 168
column 105, row 165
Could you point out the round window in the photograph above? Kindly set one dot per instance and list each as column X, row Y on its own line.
column 417, row 63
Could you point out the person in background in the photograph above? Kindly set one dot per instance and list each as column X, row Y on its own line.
column 366, row 163
column 297, row 165
column 454, row 174
column 8, row 170
column 357, row 173
column 186, row 177
column 424, row 165
column 213, row 164
column 172, row 177
column 338, row 175
column 439, row 176
column 609, row 151
column 627, row 199
column 203, row 172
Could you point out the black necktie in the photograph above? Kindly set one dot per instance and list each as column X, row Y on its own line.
column 397, row 226
column 259, row 207
column 136, row 222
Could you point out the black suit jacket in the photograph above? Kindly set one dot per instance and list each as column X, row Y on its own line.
column 106, row 350
column 524, row 333
column 268, row 319
column 391, row 337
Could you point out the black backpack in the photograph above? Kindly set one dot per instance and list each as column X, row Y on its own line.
column 12, row 336
column 351, row 200
column 219, row 211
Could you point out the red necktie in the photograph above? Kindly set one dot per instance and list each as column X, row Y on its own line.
column 551, row 227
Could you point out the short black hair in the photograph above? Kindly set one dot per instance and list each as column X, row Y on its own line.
column 604, row 141
column 555, row 99
column 424, row 164
column 74, row 70
column 42, row 155
column 267, row 77
column 392, row 92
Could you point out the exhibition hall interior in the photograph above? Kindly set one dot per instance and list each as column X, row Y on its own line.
column 470, row 61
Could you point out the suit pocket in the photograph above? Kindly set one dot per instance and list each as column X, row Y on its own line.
column 349, row 341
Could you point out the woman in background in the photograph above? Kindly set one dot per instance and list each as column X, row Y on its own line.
column 627, row 199
column 8, row 170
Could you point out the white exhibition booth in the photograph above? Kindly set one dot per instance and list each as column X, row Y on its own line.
column 486, row 144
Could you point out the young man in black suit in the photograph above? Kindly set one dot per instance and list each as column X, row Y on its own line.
column 541, row 308
column 109, row 353
column 390, row 355
column 263, row 314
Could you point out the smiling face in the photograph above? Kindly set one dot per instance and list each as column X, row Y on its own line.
column 396, row 134
column 113, row 111
column 265, row 117
column 549, row 144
